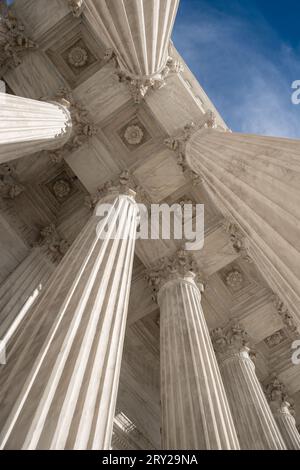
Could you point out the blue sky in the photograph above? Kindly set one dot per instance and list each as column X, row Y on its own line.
column 245, row 54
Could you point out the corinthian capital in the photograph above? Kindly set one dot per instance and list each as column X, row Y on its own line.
column 181, row 265
column 52, row 243
column 231, row 340
column 14, row 42
column 81, row 125
column 278, row 397
column 123, row 184
column 178, row 144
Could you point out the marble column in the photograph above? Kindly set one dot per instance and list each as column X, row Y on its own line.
column 21, row 289
column 59, row 387
column 195, row 411
column 139, row 32
column 28, row 126
column 254, row 422
column 255, row 183
column 281, row 407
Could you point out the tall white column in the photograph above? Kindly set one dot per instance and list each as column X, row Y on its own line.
column 195, row 411
column 28, row 126
column 59, row 386
column 138, row 32
column 254, row 422
column 21, row 289
column 255, row 182
column 282, row 410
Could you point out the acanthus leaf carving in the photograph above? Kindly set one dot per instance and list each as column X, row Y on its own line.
column 230, row 340
column 139, row 87
column 14, row 42
column 10, row 188
column 238, row 240
column 178, row 144
column 278, row 397
column 53, row 244
column 286, row 316
column 179, row 265
column 82, row 126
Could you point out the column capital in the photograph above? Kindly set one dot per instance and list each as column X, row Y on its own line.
column 140, row 86
column 180, row 267
column 14, row 41
column 79, row 124
column 231, row 341
column 124, row 185
column 10, row 188
column 178, row 144
column 54, row 246
column 278, row 398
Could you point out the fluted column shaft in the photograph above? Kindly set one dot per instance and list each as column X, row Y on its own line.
column 28, row 126
column 20, row 290
column 254, row 422
column 255, row 182
column 138, row 31
column 59, row 387
column 195, row 411
column 287, row 426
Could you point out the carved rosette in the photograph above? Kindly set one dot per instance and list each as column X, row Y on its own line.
column 13, row 41
column 82, row 128
column 178, row 144
column 52, row 243
column 179, row 266
column 231, row 341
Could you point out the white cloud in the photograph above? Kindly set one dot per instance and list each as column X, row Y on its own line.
column 245, row 69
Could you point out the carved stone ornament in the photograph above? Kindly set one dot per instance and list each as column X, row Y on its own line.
column 13, row 41
column 275, row 339
column 238, row 240
column 82, row 126
column 278, row 397
column 78, row 57
column 180, row 265
column 286, row 316
column 134, row 134
column 234, row 279
column 178, row 144
column 61, row 188
column 76, row 7
column 10, row 188
column 140, row 86
column 231, row 340
column 54, row 246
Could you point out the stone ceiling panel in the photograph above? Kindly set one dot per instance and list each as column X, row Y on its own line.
column 134, row 134
column 93, row 164
column 102, row 94
column 35, row 78
column 39, row 20
column 159, row 176
column 174, row 105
